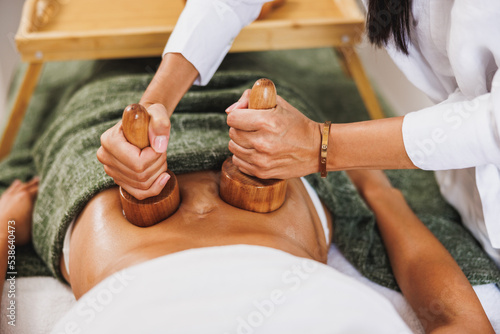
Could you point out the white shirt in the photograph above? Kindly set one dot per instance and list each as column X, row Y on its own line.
column 206, row 29
column 454, row 58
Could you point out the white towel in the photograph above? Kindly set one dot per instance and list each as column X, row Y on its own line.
column 232, row 289
column 43, row 301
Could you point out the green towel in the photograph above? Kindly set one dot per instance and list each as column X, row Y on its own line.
column 77, row 101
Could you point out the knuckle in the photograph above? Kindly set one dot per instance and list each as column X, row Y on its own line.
column 230, row 119
column 104, row 138
column 261, row 123
column 264, row 163
column 272, row 125
column 156, row 190
column 163, row 123
column 142, row 178
column 265, row 174
column 108, row 171
column 101, row 155
column 138, row 166
column 142, row 186
column 267, row 147
column 263, row 146
column 260, row 174
column 139, row 195
column 233, row 147
column 164, row 167
column 232, row 132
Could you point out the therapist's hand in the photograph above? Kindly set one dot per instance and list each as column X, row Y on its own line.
column 142, row 173
column 277, row 143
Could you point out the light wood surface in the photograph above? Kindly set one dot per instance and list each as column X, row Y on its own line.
column 19, row 109
column 90, row 29
column 244, row 191
column 150, row 211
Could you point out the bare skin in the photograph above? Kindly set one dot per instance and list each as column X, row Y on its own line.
column 430, row 279
column 143, row 173
column 283, row 143
column 104, row 242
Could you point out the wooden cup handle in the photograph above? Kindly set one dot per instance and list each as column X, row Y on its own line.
column 147, row 212
column 135, row 124
column 248, row 192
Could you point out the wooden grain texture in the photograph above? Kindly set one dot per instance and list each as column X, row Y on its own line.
column 94, row 29
column 150, row 211
column 268, row 7
column 262, row 95
column 135, row 123
column 248, row 192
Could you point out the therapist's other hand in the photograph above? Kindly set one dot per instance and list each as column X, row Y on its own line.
column 142, row 173
column 276, row 143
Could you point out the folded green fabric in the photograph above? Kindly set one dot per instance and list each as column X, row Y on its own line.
column 60, row 138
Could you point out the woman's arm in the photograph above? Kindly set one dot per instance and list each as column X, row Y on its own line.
column 172, row 80
column 428, row 276
column 143, row 172
column 282, row 143
column 460, row 133
column 376, row 144
column 202, row 37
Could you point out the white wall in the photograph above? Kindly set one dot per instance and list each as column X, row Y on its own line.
column 390, row 81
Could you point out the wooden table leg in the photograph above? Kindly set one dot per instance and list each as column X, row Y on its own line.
column 351, row 61
column 19, row 109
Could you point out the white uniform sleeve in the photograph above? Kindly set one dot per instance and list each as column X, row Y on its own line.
column 457, row 133
column 206, row 29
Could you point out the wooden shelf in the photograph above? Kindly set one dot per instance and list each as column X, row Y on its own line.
column 94, row 29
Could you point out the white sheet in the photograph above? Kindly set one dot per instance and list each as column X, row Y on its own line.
column 42, row 301
column 232, row 289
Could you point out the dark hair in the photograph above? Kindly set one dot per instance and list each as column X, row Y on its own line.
column 389, row 18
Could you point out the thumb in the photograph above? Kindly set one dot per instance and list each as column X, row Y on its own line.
column 159, row 127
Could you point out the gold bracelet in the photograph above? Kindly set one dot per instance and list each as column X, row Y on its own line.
column 325, row 134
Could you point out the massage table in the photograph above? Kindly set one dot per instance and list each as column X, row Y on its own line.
column 54, row 30
column 43, row 300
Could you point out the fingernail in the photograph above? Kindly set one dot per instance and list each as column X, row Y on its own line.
column 164, row 180
column 160, row 144
column 231, row 107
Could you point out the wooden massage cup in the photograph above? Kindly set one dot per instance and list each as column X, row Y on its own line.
column 248, row 192
column 147, row 212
